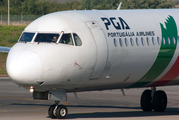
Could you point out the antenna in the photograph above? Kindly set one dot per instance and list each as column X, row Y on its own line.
column 119, row 7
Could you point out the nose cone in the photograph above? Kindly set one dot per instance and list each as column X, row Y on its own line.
column 23, row 67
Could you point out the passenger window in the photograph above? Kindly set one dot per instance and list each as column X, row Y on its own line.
column 168, row 39
column 137, row 41
column 66, row 39
column 163, row 40
column 47, row 37
column 120, row 42
column 126, row 42
column 77, row 40
column 158, row 40
column 132, row 42
column 174, row 42
column 153, row 40
column 115, row 42
column 148, row 42
column 26, row 37
column 142, row 41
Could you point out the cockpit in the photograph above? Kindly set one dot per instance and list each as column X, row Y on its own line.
column 62, row 38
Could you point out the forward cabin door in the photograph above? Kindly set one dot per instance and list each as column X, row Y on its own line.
column 101, row 49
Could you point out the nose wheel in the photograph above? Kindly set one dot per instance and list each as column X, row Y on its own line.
column 52, row 111
column 57, row 111
column 61, row 112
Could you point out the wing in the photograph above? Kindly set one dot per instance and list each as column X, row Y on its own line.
column 5, row 49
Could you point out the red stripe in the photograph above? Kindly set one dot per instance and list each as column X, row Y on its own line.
column 169, row 76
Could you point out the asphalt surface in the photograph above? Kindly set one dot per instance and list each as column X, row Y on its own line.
column 16, row 104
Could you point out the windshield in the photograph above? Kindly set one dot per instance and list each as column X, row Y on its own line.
column 47, row 37
column 66, row 39
column 77, row 40
column 27, row 37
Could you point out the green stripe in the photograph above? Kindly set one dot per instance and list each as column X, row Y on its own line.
column 165, row 54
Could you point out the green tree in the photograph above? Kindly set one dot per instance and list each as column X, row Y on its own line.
column 113, row 4
column 103, row 5
column 166, row 4
column 3, row 2
column 75, row 5
column 86, row 4
column 147, row 4
column 40, row 7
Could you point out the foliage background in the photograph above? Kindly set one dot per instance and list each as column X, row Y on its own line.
column 41, row 7
column 8, row 37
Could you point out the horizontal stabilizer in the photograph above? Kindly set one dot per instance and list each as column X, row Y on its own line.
column 5, row 49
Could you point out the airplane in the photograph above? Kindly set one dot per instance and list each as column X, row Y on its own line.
column 89, row 50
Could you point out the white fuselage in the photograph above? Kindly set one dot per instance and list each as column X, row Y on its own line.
column 120, row 49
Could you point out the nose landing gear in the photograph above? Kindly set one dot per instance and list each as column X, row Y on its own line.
column 152, row 99
column 57, row 111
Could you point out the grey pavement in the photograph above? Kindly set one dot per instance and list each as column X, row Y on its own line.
column 16, row 104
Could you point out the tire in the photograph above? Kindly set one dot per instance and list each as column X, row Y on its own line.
column 61, row 112
column 146, row 101
column 159, row 101
column 51, row 111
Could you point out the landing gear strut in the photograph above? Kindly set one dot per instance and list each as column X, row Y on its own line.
column 152, row 99
column 57, row 111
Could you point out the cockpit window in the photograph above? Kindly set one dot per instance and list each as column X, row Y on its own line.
column 66, row 39
column 26, row 37
column 47, row 37
column 77, row 40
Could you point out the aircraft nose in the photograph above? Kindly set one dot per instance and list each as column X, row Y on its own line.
column 24, row 67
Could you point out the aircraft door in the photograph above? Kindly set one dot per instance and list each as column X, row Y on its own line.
column 101, row 47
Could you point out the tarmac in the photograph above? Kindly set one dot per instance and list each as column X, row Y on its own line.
column 16, row 104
